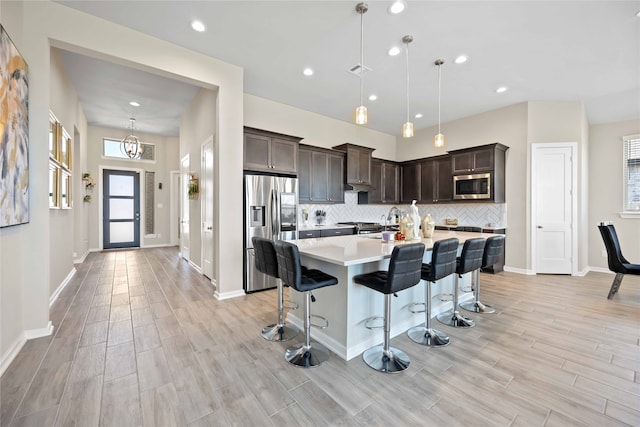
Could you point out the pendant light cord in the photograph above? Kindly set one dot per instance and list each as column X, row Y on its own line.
column 361, row 56
column 439, row 93
column 407, row 43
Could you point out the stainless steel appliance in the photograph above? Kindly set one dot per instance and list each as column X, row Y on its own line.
column 477, row 186
column 270, row 206
column 364, row 227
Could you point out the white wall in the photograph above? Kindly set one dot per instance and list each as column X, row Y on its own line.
column 605, row 190
column 317, row 130
column 197, row 124
column 167, row 159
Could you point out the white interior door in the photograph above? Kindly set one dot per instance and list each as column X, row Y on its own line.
column 184, row 208
column 552, row 186
column 208, row 250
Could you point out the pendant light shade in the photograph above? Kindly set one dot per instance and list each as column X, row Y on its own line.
column 130, row 145
column 407, row 127
column 361, row 111
column 438, row 140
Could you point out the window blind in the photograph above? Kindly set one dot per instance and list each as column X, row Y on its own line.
column 631, row 173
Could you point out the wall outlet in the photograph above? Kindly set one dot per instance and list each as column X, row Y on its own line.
column 603, row 254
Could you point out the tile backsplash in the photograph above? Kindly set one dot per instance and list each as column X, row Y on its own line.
column 478, row 214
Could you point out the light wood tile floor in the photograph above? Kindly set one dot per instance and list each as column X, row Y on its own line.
column 140, row 340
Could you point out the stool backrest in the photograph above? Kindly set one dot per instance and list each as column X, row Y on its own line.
column 404, row 267
column 614, row 253
column 471, row 255
column 443, row 258
column 493, row 250
column 289, row 267
column 266, row 260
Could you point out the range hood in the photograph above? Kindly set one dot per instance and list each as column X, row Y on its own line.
column 356, row 188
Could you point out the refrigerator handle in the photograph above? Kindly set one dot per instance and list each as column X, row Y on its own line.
column 275, row 229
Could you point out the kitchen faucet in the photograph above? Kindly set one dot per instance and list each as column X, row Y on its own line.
column 394, row 210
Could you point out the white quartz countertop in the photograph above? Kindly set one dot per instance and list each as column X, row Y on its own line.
column 360, row 249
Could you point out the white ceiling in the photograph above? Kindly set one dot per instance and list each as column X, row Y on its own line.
column 585, row 51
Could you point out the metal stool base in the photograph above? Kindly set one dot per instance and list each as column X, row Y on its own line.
column 392, row 362
column 307, row 357
column 477, row 307
column 428, row 337
column 455, row 320
column 279, row 332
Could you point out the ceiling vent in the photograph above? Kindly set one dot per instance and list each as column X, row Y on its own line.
column 356, row 70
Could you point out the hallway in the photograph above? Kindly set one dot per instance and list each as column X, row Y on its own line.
column 140, row 340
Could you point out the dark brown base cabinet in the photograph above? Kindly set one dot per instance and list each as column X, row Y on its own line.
column 320, row 175
column 271, row 152
column 325, row 232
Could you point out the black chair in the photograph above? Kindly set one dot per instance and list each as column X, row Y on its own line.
column 443, row 264
column 266, row 262
column 492, row 253
column 470, row 260
column 403, row 273
column 617, row 263
column 307, row 355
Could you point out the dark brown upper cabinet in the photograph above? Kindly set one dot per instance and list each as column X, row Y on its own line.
column 266, row 151
column 410, row 174
column 384, row 183
column 476, row 159
column 436, row 181
column 358, row 165
column 320, row 175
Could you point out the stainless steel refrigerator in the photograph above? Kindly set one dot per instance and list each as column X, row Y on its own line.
column 270, row 205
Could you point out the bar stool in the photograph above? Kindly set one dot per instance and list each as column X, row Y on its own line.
column 267, row 262
column 307, row 355
column 470, row 260
column 443, row 264
column 492, row 253
column 403, row 273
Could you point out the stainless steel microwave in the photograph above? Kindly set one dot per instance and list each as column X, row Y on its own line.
column 473, row 187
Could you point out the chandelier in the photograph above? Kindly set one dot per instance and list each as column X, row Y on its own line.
column 131, row 145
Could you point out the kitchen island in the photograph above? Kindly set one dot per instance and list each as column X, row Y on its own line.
column 348, row 305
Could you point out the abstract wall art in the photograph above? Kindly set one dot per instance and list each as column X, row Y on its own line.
column 14, row 134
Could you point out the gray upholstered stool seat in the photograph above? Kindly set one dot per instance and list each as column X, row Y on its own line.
column 308, row 354
column 403, row 273
column 266, row 262
column 470, row 260
column 443, row 264
column 492, row 252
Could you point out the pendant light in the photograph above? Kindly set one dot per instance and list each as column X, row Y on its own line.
column 361, row 111
column 407, row 128
column 438, row 141
column 130, row 145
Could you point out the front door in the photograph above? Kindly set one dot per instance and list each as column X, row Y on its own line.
column 121, row 209
column 553, row 208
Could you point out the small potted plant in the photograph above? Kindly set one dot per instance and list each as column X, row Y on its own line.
column 193, row 188
column 89, row 183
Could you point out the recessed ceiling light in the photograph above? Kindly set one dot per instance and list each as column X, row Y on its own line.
column 419, row 116
column 461, row 59
column 393, row 51
column 373, row 97
column 134, row 104
column 307, row 72
column 502, row 89
column 397, row 7
column 198, row 26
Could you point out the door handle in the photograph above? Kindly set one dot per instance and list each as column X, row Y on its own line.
column 540, row 226
column 137, row 216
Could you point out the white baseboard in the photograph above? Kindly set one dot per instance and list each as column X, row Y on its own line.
column 198, row 269
column 600, row 270
column 519, row 271
column 163, row 245
column 39, row 333
column 82, row 258
column 226, row 295
column 11, row 354
column 63, row 285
